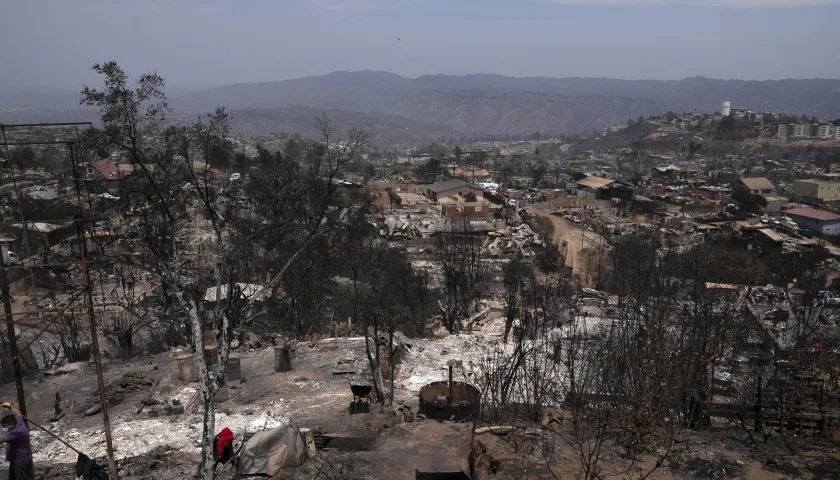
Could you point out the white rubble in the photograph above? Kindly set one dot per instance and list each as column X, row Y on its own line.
column 140, row 435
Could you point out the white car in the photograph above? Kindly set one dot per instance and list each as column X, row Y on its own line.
column 12, row 258
column 829, row 299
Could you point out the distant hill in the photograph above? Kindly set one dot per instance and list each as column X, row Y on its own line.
column 480, row 103
column 483, row 103
column 385, row 128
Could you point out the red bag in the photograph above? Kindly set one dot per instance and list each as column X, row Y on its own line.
column 224, row 441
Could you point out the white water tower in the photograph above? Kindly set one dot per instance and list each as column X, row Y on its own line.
column 726, row 107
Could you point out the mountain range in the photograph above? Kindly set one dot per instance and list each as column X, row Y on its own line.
column 470, row 104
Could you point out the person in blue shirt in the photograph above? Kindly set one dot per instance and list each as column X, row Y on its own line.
column 18, row 451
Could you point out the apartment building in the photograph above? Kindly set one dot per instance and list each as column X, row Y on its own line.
column 824, row 131
column 799, row 130
column 817, row 192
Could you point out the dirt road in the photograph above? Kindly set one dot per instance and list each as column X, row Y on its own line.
column 575, row 242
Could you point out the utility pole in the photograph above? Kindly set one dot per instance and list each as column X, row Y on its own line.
column 5, row 295
column 94, row 335
column 10, row 331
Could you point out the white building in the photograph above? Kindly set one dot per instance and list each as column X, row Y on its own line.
column 823, row 131
column 726, row 108
column 782, row 132
column 799, row 130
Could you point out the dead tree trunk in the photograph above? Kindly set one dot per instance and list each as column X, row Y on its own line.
column 375, row 364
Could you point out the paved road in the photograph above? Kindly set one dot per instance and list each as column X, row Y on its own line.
column 577, row 239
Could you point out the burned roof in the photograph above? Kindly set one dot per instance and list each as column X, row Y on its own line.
column 447, row 185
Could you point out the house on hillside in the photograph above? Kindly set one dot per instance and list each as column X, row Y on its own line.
column 817, row 192
column 473, row 210
column 600, row 187
column 758, row 185
column 451, row 188
column 671, row 171
column 775, row 204
column 815, row 220
column 108, row 172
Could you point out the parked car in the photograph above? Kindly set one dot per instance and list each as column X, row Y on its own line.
column 828, row 299
column 11, row 258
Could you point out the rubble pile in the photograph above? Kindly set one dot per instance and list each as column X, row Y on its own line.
column 116, row 391
column 142, row 435
column 406, row 226
column 513, row 240
column 426, row 361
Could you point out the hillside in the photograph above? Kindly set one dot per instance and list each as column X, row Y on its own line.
column 387, row 129
column 478, row 103
column 488, row 104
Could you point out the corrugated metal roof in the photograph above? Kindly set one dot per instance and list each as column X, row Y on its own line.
column 447, row 185
column 772, row 234
column 813, row 213
column 595, row 182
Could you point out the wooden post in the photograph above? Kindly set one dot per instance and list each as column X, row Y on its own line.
column 94, row 334
column 10, row 332
column 308, row 441
column 757, row 421
column 779, row 402
column 450, row 395
column 821, row 421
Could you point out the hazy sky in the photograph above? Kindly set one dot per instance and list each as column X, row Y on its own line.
column 53, row 42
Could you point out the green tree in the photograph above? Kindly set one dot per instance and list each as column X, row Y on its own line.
column 727, row 124
column 538, row 171
column 293, row 210
column 292, row 150
column 23, row 157
column 220, row 153
column 265, row 157
column 516, row 274
column 749, row 202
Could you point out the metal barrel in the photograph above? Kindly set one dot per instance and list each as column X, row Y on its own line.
column 282, row 358
column 186, row 368
column 233, row 369
column 210, row 356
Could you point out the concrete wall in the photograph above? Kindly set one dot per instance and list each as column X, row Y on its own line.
column 476, row 210
column 817, row 192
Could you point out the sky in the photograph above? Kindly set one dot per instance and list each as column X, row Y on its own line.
column 196, row 43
